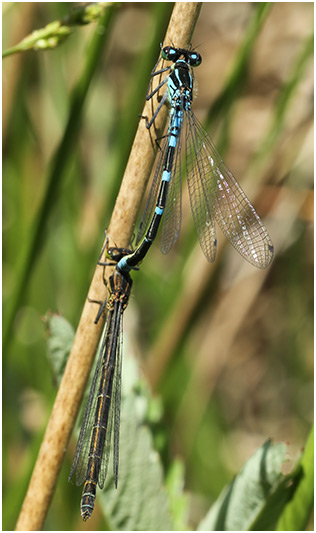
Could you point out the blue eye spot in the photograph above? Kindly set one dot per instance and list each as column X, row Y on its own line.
column 194, row 59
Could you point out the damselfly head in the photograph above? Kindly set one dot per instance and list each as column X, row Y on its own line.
column 116, row 254
column 170, row 53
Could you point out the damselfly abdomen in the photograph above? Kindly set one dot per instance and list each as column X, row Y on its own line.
column 101, row 419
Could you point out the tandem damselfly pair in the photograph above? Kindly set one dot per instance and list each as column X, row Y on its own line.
column 215, row 195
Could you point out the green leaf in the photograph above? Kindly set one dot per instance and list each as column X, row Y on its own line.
column 270, row 513
column 298, row 511
column 140, row 502
column 60, row 338
column 241, row 502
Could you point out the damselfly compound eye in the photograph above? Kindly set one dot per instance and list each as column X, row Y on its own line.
column 169, row 53
column 194, row 59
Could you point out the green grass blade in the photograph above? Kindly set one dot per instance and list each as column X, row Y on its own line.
column 287, row 92
column 59, row 165
column 238, row 74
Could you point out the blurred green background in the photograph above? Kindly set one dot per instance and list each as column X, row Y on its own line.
column 228, row 349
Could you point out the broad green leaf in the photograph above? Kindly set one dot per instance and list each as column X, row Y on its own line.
column 297, row 512
column 275, row 503
column 60, row 338
column 140, row 502
column 241, row 502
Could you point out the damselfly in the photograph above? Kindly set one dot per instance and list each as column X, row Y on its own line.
column 215, row 195
column 102, row 414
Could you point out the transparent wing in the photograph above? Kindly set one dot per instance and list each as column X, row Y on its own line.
column 80, row 462
column 171, row 222
column 152, row 196
column 200, row 199
column 172, row 213
column 153, row 193
column 116, row 415
column 110, row 390
column 222, row 198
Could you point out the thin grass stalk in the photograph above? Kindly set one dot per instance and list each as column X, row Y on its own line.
column 238, row 74
column 299, row 66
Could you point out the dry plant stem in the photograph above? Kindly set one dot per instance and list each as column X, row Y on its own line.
column 68, row 399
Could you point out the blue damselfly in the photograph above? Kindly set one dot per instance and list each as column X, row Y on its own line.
column 101, row 418
column 215, row 195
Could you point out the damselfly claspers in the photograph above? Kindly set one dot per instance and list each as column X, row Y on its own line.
column 215, row 195
column 101, row 419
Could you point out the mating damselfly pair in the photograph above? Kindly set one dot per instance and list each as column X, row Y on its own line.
column 215, row 195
